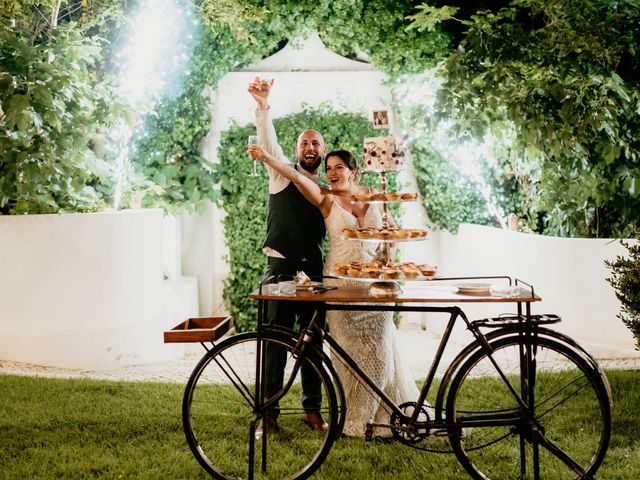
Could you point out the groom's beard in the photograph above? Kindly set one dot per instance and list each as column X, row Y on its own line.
column 310, row 164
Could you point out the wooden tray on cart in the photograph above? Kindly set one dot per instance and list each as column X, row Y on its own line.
column 199, row 329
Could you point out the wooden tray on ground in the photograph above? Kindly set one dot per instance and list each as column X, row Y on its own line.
column 199, row 329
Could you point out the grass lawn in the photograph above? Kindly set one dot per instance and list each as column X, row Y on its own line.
column 78, row 429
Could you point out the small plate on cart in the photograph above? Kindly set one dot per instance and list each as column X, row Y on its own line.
column 474, row 288
column 310, row 286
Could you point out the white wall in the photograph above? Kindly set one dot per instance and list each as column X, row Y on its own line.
column 569, row 275
column 87, row 290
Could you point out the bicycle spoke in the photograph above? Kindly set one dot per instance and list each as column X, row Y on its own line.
column 563, row 400
column 560, row 454
column 234, row 378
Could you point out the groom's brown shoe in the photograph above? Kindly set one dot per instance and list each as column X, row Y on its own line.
column 315, row 421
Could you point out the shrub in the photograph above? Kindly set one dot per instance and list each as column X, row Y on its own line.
column 625, row 280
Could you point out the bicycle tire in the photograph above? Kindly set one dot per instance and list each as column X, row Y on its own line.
column 564, row 436
column 217, row 414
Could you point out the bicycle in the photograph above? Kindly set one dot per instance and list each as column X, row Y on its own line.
column 511, row 390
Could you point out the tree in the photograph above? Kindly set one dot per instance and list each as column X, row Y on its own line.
column 564, row 75
column 625, row 280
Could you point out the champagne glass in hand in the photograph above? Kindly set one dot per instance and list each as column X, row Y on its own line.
column 253, row 140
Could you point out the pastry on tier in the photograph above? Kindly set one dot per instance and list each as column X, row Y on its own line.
column 382, row 154
column 381, row 271
column 384, row 197
column 373, row 233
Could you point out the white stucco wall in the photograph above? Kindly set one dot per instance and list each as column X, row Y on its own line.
column 568, row 273
column 88, row 290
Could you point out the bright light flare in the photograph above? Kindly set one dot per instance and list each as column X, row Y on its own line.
column 156, row 51
column 152, row 62
column 416, row 97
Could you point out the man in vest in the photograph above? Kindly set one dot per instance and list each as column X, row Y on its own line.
column 295, row 234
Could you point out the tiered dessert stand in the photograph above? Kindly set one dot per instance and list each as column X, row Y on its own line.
column 383, row 273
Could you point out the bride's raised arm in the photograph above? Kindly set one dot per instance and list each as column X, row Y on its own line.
column 307, row 187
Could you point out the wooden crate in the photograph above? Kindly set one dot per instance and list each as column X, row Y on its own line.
column 199, row 329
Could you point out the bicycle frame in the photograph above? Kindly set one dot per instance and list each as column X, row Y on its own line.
column 305, row 336
column 520, row 397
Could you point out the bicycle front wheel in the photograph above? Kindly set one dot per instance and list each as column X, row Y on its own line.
column 219, row 407
column 560, row 431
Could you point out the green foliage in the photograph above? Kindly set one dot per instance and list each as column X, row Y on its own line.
column 462, row 180
column 22, row 13
column 53, row 110
column 168, row 155
column 244, row 198
column 244, row 32
column 565, row 75
column 235, row 15
column 625, row 280
column 166, row 147
column 449, row 199
column 380, row 30
column 429, row 17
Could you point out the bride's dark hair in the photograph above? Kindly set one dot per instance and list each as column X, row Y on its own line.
column 347, row 158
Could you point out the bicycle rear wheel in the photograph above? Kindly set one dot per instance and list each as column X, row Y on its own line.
column 562, row 433
column 219, row 407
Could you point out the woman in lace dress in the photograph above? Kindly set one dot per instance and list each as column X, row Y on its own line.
column 370, row 338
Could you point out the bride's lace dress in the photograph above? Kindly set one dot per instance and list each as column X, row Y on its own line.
column 370, row 338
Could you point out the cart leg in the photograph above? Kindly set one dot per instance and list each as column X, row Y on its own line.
column 252, row 445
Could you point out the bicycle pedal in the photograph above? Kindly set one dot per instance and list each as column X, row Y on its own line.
column 368, row 431
column 370, row 426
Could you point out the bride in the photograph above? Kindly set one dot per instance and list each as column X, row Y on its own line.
column 370, row 338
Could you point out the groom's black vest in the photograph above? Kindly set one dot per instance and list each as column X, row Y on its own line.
column 295, row 227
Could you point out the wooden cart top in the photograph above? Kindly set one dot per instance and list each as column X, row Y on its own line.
column 411, row 293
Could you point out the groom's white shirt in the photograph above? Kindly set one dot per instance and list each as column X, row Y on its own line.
column 268, row 140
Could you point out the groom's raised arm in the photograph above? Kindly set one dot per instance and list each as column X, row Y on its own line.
column 267, row 136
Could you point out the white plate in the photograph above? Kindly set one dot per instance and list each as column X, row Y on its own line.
column 308, row 286
column 474, row 288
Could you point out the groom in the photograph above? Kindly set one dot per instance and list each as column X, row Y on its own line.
column 295, row 234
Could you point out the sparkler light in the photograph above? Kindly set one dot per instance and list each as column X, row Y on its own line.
column 153, row 62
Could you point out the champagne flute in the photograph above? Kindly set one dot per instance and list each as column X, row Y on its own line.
column 253, row 140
